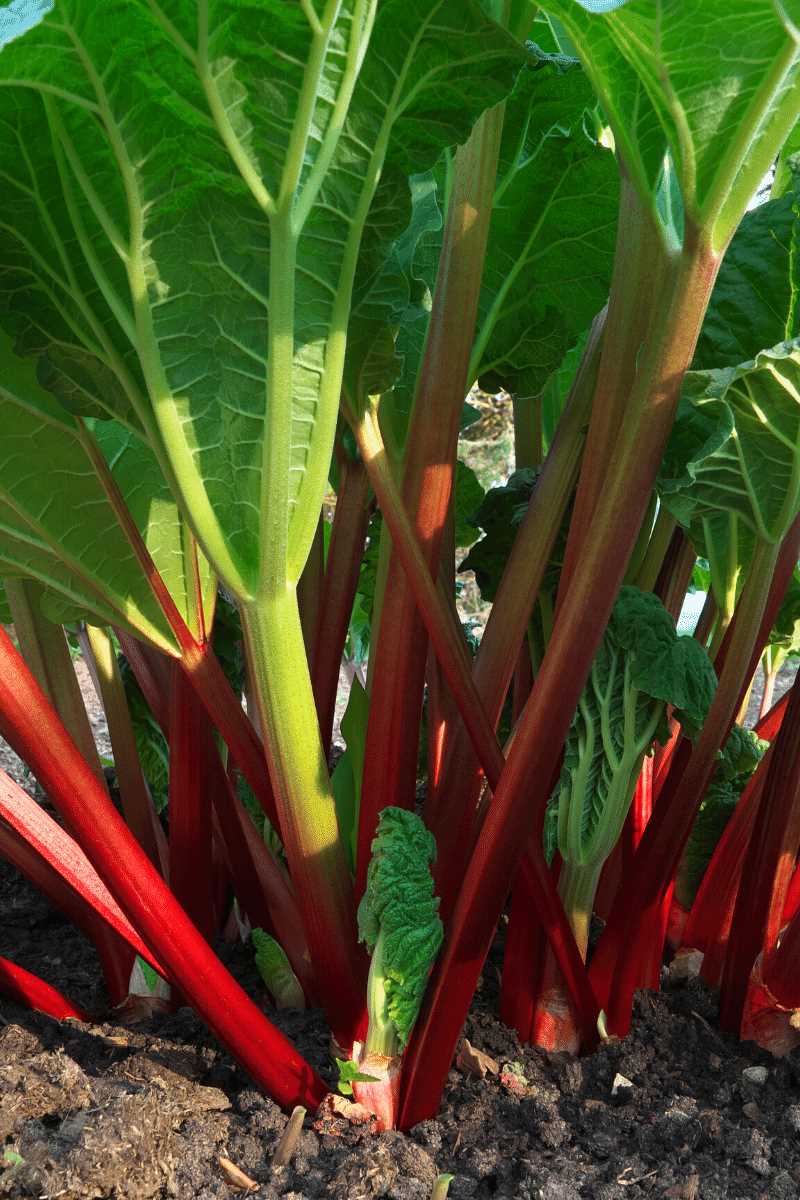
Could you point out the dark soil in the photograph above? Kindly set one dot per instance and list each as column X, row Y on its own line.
column 128, row 1111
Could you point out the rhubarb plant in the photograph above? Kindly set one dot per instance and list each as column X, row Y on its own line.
column 253, row 256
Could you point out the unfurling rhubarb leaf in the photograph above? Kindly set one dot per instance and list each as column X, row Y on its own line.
column 399, row 922
column 641, row 667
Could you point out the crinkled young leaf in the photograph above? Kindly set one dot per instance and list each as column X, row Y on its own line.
column 640, row 668
column 741, row 754
column 237, row 259
column 699, row 77
column 399, row 906
column 661, row 664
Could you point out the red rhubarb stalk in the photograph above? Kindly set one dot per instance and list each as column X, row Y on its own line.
column 309, row 591
column 191, row 748
column 137, row 803
column 768, row 868
column 636, row 930
column 772, row 1011
column 448, row 642
column 260, row 883
column 708, row 923
column 453, row 822
column 675, row 574
column 32, row 727
column 401, row 648
column 345, row 550
column 78, row 884
column 782, row 972
column 29, row 990
column 207, row 676
column 521, row 795
column 632, row 939
column 792, row 905
column 44, row 647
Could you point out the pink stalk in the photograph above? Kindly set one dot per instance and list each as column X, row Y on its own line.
column 676, row 573
column 115, row 955
column 449, row 646
column 709, row 920
column 637, row 929
column 454, row 820
column 792, row 905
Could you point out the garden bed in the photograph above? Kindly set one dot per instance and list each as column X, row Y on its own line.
column 146, row 1108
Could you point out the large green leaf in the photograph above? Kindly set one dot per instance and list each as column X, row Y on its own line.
column 553, row 230
column 218, row 173
column 735, row 448
column 551, row 242
column 788, row 164
column 56, row 522
column 715, row 83
column 755, row 299
column 389, row 317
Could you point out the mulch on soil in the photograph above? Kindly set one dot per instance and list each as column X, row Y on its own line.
column 128, row 1112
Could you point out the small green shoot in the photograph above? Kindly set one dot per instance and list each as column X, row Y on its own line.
column 350, row 1074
